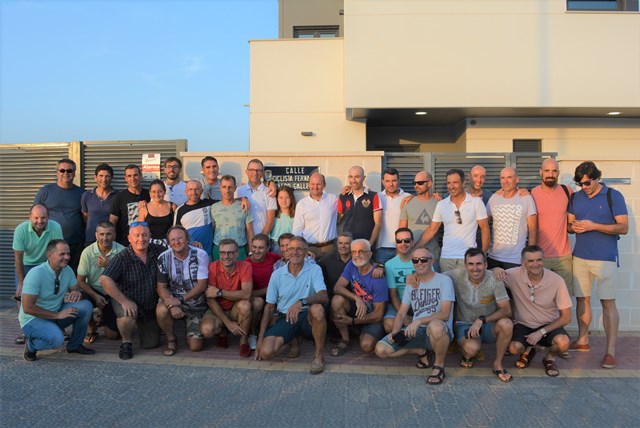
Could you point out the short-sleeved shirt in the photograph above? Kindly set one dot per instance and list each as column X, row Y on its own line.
column 262, row 270
column 370, row 289
column 176, row 193
column 230, row 222
column 358, row 213
column 395, row 272
column 551, row 295
column 472, row 302
column 427, row 298
column 197, row 220
column 510, row 226
column 458, row 238
column 332, row 267
column 125, row 207
column 137, row 280
column 97, row 210
column 419, row 215
column 40, row 281
column 64, row 207
column 261, row 202
column 390, row 218
column 595, row 245
column 219, row 278
column 210, row 191
column 89, row 268
column 283, row 224
column 181, row 276
column 285, row 289
column 34, row 247
column 552, row 220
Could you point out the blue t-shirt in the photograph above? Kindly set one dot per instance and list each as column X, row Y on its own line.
column 370, row 289
column 64, row 207
column 427, row 299
column 395, row 272
column 97, row 210
column 597, row 245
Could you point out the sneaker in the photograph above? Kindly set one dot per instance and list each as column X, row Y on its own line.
column 609, row 362
column 245, row 351
column 126, row 351
column 81, row 350
column 574, row 347
column 29, row 355
column 253, row 341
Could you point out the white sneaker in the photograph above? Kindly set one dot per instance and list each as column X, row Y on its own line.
column 253, row 340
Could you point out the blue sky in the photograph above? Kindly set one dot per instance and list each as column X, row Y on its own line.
column 130, row 70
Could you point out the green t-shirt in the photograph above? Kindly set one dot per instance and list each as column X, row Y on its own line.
column 230, row 222
column 89, row 268
column 33, row 246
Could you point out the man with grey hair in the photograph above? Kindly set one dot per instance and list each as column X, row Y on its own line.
column 365, row 305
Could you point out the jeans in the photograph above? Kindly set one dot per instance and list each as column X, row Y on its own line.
column 41, row 334
column 384, row 254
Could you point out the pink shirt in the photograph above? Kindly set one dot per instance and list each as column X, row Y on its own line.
column 550, row 296
column 552, row 221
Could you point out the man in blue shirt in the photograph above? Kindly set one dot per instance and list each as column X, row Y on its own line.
column 597, row 215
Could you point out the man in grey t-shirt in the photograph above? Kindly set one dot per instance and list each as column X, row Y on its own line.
column 482, row 312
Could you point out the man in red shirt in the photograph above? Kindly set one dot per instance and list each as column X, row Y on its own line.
column 228, row 294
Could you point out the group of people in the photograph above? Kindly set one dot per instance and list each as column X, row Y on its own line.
column 252, row 262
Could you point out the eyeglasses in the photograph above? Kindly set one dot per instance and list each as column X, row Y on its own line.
column 257, row 171
column 532, row 297
column 139, row 223
column 57, row 287
column 68, row 171
column 584, row 183
column 359, row 252
column 404, row 240
column 421, row 260
column 227, row 253
column 421, row 182
column 458, row 217
column 172, row 167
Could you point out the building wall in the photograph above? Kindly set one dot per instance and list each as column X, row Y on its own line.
column 488, row 54
column 298, row 86
column 308, row 13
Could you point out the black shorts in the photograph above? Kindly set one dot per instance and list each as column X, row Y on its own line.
column 521, row 330
column 289, row 331
column 108, row 315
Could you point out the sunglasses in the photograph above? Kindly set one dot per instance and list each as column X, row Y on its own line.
column 421, row 260
column 532, row 297
column 139, row 223
column 57, row 287
column 68, row 171
column 584, row 183
column 458, row 217
column 404, row 240
column 421, row 183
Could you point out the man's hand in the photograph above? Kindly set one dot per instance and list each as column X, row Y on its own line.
column 343, row 320
column 103, row 261
column 211, row 292
column 18, row 293
column 406, row 200
column 412, row 280
column 345, row 190
column 378, row 272
column 67, row 313
column 177, row 312
column 361, row 308
column 273, row 189
column 582, row 226
column 196, row 244
column 437, row 197
column 293, row 312
column 244, row 204
column 100, row 300
column 130, row 309
column 258, row 347
column 411, row 329
column 534, row 337
column 235, row 328
column 74, row 296
column 499, row 273
column 474, row 329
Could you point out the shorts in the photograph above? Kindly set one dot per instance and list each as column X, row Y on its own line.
column 420, row 341
column 193, row 318
column 375, row 330
column 148, row 329
column 486, row 336
column 391, row 312
column 563, row 266
column 521, row 330
column 289, row 331
column 604, row 274
column 108, row 315
column 451, row 264
column 493, row 263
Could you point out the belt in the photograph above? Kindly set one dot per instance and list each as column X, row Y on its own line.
column 323, row 244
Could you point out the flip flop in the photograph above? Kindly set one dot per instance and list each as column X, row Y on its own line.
column 467, row 362
column 170, row 348
column 525, row 358
column 430, row 356
column 91, row 337
column 504, row 374
column 550, row 367
column 340, row 349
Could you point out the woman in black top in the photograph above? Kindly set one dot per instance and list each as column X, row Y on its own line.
column 158, row 213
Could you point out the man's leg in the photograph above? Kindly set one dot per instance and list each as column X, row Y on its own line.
column 210, row 325
column 318, row 324
column 611, row 321
column 370, row 335
column 41, row 334
column 559, row 343
column 439, row 339
column 80, row 322
column 417, row 346
column 165, row 322
column 257, row 306
column 583, row 315
column 340, row 306
column 241, row 312
column 503, row 331
column 582, row 285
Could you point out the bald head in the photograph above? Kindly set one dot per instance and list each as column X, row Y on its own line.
column 477, row 177
column 193, row 191
column 422, row 182
column 550, row 171
column 39, row 217
column 356, row 178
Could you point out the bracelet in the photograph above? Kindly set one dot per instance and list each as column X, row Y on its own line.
column 169, row 307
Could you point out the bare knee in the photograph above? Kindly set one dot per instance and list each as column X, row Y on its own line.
column 367, row 343
column 316, row 312
column 436, row 329
column 561, row 342
column 505, row 326
column 337, row 304
column 388, row 325
column 382, row 350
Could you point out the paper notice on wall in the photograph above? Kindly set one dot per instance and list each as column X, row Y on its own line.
column 150, row 166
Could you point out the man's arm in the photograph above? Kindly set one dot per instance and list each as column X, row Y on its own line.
column 561, row 321
column 249, row 230
column 428, row 234
column 377, row 225
column 375, row 316
column 395, row 299
column 30, row 307
column 109, row 285
column 88, row 290
column 113, row 219
column 403, row 223
column 19, row 262
column 271, row 220
column 398, row 322
column 620, row 227
column 486, row 234
column 503, row 310
column 243, row 294
column 532, row 226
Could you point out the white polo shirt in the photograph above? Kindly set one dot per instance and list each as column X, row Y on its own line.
column 390, row 218
column 458, row 238
column 316, row 221
column 260, row 204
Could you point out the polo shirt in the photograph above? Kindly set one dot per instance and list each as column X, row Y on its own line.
column 472, row 301
column 89, row 268
column 595, row 245
column 176, row 193
column 262, row 270
column 97, row 210
column 316, row 221
column 458, row 238
column 550, row 296
column 358, row 213
column 390, row 218
column 230, row 222
column 34, row 247
column 285, row 289
column 64, row 207
column 40, row 281
column 219, row 278
column 552, row 221
column 260, row 204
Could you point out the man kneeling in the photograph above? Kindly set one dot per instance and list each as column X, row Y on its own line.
column 432, row 303
column 298, row 292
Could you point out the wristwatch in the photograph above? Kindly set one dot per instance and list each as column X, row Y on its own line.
column 219, row 293
column 181, row 298
column 304, row 302
column 483, row 319
column 543, row 331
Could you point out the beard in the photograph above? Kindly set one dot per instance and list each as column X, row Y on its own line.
column 550, row 181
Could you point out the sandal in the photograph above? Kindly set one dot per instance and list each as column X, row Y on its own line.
column 525, row 358
column 467, row 362
column 91, row 337
column 430, row 356
column 170, row 348
column 503, row 375
column 439, row 377
column 340, row 349
column 550, row 367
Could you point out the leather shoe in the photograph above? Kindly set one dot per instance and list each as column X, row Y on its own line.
column 81, row 350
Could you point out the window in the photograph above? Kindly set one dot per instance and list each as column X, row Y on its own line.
column 321, row 31
column 603, row 5
column 527, row 146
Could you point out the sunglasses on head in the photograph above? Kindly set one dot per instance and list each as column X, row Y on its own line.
column 404, row 240
column 584, row 183
column 421, row 260
column 139, row 223
column 68, row 171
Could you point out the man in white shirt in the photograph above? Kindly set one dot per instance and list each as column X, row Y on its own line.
column 316, row 217
column 263, row 206
column 391, row 200
column 176, row 188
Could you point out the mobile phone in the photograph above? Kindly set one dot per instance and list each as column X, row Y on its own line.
column 400, row 339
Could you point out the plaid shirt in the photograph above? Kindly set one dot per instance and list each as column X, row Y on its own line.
column 137, row 280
